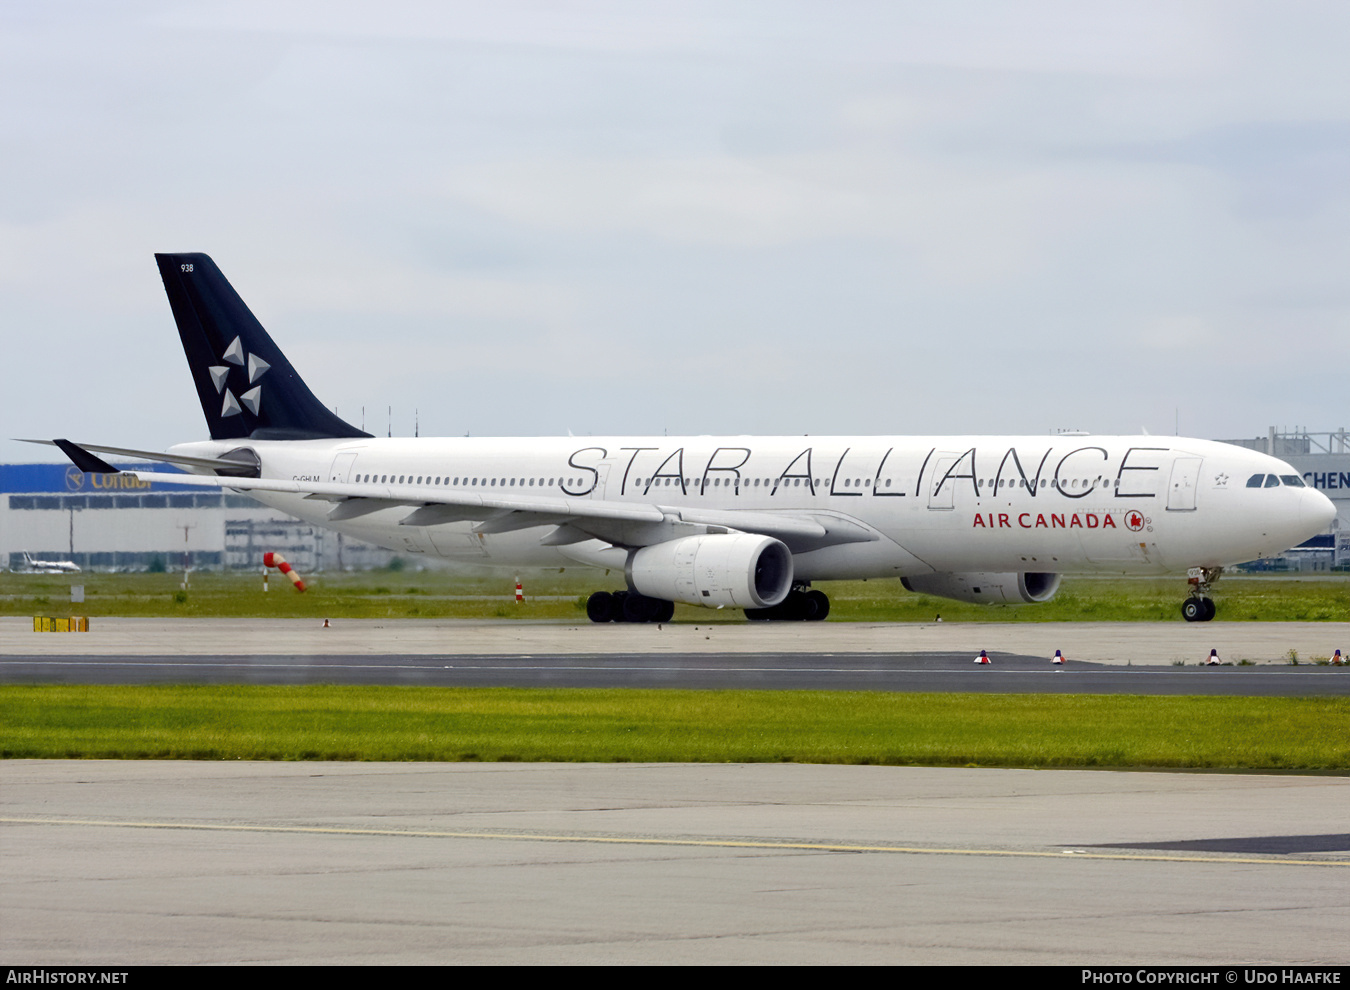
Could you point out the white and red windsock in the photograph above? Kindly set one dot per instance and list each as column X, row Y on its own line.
column 276, row 560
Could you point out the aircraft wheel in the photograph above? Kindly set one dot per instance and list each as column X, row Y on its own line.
column 819, row 605
column 600, row 607
column 640, row 608
column 793, row 608
column 807, row 606
column 1193, row 610
column 1210, row 609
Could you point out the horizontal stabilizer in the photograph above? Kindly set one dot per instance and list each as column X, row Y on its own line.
column 225, row 465
column 85, row 461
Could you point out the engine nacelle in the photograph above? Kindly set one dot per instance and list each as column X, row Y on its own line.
column 986, row 589
column 737, row 569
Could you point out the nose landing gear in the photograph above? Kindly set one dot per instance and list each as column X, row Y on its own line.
column 1199, row 607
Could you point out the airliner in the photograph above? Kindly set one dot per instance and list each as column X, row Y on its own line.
column 725, row 522
column 49, row 566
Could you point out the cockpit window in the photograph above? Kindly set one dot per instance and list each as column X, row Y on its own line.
column 1256, row 480
column 1293, row 481
column 1272, row 481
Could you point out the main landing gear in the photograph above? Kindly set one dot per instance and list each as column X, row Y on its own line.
column 1200, row 607
column 800, row 605
column 627, row 606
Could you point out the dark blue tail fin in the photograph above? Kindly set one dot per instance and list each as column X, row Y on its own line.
column 246, row 386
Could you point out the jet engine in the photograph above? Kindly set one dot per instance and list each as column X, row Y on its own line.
column 741, row 570
column 984, row 588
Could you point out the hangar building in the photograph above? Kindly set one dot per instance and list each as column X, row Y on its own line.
column 111, row 522
column 1323, row 459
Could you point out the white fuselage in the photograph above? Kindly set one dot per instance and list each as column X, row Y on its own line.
column 1063, row 504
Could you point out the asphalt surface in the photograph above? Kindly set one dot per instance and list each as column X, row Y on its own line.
column 791, row 671
column 175, row 862
column 1157, row 644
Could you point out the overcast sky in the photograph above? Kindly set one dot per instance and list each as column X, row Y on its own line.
column 727, row 217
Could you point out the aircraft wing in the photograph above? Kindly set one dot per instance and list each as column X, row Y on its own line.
column 631, row 524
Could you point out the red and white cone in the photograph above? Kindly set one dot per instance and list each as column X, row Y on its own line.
column 520, row 592
column 1057, row 658
column 326, row 625
column 983, row 658
column 1213, row 660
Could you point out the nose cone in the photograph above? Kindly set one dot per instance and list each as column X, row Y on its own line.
column 1316, row 511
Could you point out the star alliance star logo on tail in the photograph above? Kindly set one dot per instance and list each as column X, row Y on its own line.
column 220, row 373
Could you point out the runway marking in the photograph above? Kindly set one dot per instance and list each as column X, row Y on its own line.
column 702, row 843
column 562, row 666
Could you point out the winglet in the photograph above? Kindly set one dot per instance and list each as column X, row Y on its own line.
column 85, row 461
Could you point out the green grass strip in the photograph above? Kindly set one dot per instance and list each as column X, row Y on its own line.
column 555, row 597
column 452, row 724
